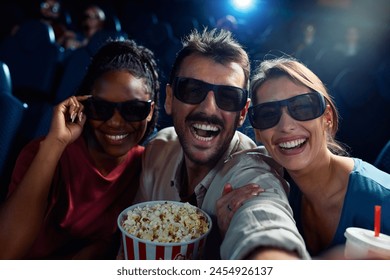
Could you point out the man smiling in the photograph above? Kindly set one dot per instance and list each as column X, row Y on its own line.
column 207, row 98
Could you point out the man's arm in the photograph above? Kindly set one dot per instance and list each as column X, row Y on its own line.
column 264, row 221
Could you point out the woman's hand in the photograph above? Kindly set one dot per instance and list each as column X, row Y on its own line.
column 68, row 120
column 231, row 200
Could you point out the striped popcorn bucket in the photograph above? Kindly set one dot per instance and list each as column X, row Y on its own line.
column 139, row 249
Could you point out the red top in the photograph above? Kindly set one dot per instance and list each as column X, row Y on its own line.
column 83, row 203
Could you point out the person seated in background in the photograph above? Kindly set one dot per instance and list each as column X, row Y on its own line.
column 308, row 47
column 295, row 118
column 350, row 46
column 68, row 188
column 50, row 13
column 93, row 20
column 191, row 162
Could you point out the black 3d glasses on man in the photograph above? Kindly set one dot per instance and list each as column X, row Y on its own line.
column 193, row 91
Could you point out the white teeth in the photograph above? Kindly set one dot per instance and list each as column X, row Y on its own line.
column 292, row 144
column 204, row 132
column 201, row 138
column 116, row 137
column 206, row 127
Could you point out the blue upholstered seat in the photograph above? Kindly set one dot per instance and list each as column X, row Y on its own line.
column 33, row 58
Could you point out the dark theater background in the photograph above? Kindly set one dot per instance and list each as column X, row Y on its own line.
column 345, row 42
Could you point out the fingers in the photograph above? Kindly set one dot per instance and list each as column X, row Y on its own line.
column 231, row 200
column 227, row 189
column 224, row 216
column 83, row 97
column 223, row 199
column 239, row 196
column 75, row 108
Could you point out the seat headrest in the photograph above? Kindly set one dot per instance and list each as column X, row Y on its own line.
column 35, row 34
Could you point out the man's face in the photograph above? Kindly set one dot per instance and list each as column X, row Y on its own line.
column 204, row 129
column 50, row 9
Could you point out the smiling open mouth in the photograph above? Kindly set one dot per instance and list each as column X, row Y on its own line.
column 205, row 132
column 116, row 137
column 292, row 144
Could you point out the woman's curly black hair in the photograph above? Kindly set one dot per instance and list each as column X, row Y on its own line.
column 117, row 55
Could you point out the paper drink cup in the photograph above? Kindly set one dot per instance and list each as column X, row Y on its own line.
column 136, row 248
column 363, row 244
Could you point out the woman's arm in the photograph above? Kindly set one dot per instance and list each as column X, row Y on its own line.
column 22, row 214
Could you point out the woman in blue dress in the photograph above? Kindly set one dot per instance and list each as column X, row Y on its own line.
column 296, row 120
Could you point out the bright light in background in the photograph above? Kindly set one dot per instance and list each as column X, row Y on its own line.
column 243, row 5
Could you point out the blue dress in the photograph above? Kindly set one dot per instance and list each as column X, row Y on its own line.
column 367, row 187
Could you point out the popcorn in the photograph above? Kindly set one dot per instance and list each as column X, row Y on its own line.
column 166, row 222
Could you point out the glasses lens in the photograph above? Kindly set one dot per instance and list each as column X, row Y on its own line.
column 189, row 91
column 135, row 110
column 306, row 107
column 98, row 109
column 55, row 8
column 192, row 91
column 230, row 98
column 265, row 115
column 90, row 16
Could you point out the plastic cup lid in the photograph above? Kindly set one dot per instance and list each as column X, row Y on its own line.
column 366, row 238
